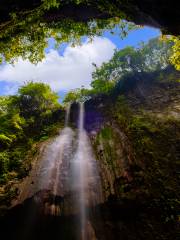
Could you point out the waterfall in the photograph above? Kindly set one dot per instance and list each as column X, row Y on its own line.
column 81, row 118
column 68, row 173
column 51, row 173
column 67, row 115
column 86, row 179
column 54, row 155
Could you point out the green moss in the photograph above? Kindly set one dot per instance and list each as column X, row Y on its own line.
column 155, row 144
column 4, row 140
column 106, row 133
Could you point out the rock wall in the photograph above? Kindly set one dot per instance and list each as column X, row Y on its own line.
column 137, row 150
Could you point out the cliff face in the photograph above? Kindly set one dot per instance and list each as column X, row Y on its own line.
column 137, row 149
column 135, row 134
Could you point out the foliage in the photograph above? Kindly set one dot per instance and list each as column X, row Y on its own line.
column 122, row 112
column 106, row 133
column 153, row 144
column 4, row 101
column 175, row 53
column 4, row 162
column 153, row 141
column 48, row 4
column 127, row 66
column 147, row 58
column 26, row 33
column 101, row 86
column 72, row 96
column 35, row 99
column 77, row 95
column 175, row 57
column 25, row 118
column 4, row 140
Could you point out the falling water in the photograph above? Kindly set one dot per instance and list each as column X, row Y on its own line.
column 68, row 170
column 67, row 115
column 51, row 174
column 58, row 152
column 86, row 178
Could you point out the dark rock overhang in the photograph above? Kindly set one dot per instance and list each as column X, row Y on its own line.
column 163, row 14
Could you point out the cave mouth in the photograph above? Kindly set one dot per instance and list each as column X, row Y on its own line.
column 132, row 110
column 25, row 27
column 154, row 13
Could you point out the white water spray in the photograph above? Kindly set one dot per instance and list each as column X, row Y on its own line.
column 67, row 115
column 86, row 178
column 51, row 174
column 66, row 173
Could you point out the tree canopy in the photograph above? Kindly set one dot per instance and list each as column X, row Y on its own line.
column 25, row 118
column 128, row 62
column 26, row 26
column 79, row 94
column 175, row 57
column 26, row 33
column 148, row 57
column 35, row 99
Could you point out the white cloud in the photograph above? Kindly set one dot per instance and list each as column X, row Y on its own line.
column 62, row 73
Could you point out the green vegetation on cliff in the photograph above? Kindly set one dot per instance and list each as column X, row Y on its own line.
column 25, row 27
column 137, row 149
column 26, row 118
column 137, row 144
column 128, row 63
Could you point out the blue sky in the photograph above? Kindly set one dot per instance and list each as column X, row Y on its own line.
column 133, row 38
column 67, row 68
